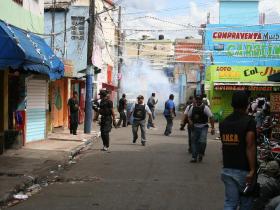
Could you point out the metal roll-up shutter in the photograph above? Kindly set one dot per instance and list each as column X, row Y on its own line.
column 36, row 109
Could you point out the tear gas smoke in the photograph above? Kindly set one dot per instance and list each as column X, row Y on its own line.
column 138, row 78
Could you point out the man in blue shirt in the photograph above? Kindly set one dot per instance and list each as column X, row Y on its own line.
column 169, row 113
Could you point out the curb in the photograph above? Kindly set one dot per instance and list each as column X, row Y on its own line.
column 41, row 179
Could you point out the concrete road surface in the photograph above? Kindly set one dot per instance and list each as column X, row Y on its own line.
column 132, row 177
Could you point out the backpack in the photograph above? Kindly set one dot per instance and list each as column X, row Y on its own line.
column 198, row 115
column 139, row 112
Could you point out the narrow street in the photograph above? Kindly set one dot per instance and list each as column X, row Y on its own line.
column 156, row 177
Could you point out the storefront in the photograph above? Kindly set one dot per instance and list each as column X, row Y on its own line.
column 221, row 81
column 28, row 64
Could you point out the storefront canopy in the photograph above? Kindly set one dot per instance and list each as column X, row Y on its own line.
column 24, row 50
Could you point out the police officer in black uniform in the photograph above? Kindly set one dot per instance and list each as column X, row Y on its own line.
column 73, row 109
column 238, row 136
column 107, row 118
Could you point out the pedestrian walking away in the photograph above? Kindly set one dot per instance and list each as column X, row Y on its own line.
column 122, row 111
column 199, row 114
column 73, row 110
column 186, row 119
column 152, row 105
column 238, row 136
column 107, row 118
column 169, row 114
column 139, row 111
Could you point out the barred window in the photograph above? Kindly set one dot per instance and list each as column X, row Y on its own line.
column 20, row 2
column 78, row 28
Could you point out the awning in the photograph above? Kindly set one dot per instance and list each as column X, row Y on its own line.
column 249, row 86
column 24, row 50
column 109, row 87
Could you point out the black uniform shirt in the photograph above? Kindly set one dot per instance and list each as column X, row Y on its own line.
column 233, row 132
column 71, row 103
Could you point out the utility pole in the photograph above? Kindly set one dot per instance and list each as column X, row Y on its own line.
column 91, row 37
column 119, row 52
column 53, row 23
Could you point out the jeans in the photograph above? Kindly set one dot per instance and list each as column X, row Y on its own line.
column 235, row 181
column 198, row 140
column 135, row 126
column 122, row 119
column 168, row 129
column 150, row 120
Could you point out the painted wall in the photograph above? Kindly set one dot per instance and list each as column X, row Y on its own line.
column 239, row 12
column 232, row 45
column 29, row 16
column 76, row 50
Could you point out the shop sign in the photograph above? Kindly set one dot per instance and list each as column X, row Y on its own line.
column 245, row 87
column 254, row 44
column 241, row 73
column 231, row 36
column 253, row 50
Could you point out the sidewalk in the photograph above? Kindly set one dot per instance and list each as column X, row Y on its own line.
column 20, row 169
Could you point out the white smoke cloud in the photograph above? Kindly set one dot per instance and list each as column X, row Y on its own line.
column 138, row 78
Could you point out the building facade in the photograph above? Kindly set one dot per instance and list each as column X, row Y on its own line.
column 188, row 62
column 159, row 53
column 240, row 57
column 25, row 77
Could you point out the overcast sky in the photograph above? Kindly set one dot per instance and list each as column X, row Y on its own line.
column 179, row 15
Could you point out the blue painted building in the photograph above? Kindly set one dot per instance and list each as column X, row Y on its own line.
column 240, row 54
column 71, row 45
column 231, row 45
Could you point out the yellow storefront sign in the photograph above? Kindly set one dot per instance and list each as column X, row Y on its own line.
column 240, row 73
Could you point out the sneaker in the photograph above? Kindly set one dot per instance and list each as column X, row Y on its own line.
column 134, row 141
column 143, row 143
column 193, row 160
column 105, row 149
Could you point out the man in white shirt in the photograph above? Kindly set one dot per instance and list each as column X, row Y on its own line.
column 199, row 115
column 139, row 111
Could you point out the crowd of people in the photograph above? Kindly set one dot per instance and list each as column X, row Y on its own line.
column 238, row 134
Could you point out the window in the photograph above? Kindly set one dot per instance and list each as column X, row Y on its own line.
column 20, row 2
column 78, row 28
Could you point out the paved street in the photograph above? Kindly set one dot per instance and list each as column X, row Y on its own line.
column 156, row 177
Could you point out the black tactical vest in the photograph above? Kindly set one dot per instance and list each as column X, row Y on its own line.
column 198, row 115
column 139, row 112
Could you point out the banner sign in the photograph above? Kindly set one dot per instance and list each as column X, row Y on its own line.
column 240, row 73
column 252, row 45
column 245, row 87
